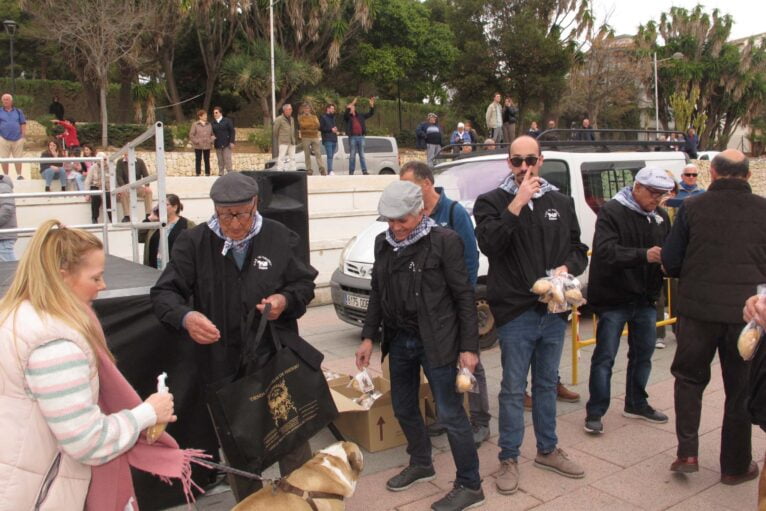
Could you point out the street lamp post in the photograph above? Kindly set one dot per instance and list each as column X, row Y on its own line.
column 273, row 86
column 10, row 29
column 676, row 56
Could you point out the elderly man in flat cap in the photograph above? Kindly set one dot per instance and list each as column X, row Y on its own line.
column 624, row 285
column 422, row 297
column 223, row 269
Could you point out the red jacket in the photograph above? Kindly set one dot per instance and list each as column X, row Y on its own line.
column 70, row 134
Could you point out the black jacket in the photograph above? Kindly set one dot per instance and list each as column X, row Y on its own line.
column 199, row 278
column 362, row 118
column 151, row 240
column 717, row 247
column 326, row 124
column 224, row 132
column 446, row 308
column 509, row 114
column 521, row 248
column 619, row 272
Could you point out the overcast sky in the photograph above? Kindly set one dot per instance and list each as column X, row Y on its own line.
column 749, row 15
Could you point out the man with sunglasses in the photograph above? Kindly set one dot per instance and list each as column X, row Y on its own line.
column 236, row 262
column 688, row 187
column 526, row 227
column 624, row 284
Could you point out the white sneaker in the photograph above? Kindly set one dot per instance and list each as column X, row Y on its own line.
column 660, row 344
column 331, row 173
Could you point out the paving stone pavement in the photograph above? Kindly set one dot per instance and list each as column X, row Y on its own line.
column 626, row 468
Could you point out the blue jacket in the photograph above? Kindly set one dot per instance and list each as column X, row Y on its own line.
column 684, row 193
column 459, row 220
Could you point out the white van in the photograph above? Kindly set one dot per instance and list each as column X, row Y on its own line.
column 590, row 178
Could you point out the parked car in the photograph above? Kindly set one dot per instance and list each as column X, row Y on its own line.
column 380, row 153
column 590, row 178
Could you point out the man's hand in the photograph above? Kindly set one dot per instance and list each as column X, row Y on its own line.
column 201, row 329
column 278, row 303
column 530, row 185
column 363, row 354
column 755, row 309
column 468, row 359
column 654, row 255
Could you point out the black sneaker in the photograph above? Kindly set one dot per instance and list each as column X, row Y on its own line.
column 436, row 429
column 410, row 475
column 19, row 177
column 647, row 413
column 480, row 434
column 459, row 498
column 593, row 425
column 126, row 218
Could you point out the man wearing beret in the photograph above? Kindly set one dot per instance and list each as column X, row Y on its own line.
column 624, row 284
column 219, row 272
column 422, row 297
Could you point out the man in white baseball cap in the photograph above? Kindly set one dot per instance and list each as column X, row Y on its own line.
column 624, row 284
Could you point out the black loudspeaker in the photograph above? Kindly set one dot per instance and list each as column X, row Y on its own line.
column 283, row 197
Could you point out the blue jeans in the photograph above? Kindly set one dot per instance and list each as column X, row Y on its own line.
column 49, row 173
column 407, row 356
column 641, row 322
column 6, row 250
column 357, row 146
column 330, row 148
column 536, row 339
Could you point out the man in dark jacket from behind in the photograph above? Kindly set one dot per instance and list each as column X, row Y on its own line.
column 624, row 284
column 717, row 248
column 422, row 298
column 526, row 227
column 236, row 262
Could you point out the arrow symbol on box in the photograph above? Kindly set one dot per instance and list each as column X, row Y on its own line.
column 380, row 425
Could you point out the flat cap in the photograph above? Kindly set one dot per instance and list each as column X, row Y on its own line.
column 399, row 199
column 654, row 177
column 233, row 188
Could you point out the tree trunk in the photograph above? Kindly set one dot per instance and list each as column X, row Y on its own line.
column 104, row 120
column 125, row 99
column 209, row 87
column 166, row 58
column 93, row 97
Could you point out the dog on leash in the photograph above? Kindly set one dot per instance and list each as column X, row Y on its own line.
column 321, row 484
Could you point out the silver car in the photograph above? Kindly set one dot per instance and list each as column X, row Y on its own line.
column 380, row 153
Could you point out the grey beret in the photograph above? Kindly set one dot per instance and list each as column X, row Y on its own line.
column 399, row 199
column 233, row 188
column 656, row 178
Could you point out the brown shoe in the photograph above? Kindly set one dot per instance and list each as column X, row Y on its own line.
column 507, row 478
column 527, row 401
column 685, row 465
column 564, row 394
column 751, row 473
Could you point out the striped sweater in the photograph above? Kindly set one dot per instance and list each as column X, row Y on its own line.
column 57, row 377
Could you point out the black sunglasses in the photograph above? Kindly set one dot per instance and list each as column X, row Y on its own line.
column 690, row 175
column 531, row 161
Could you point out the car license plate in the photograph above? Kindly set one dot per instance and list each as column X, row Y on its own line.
column 358, row 302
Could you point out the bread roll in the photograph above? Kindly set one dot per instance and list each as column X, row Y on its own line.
column 463, row 383
column 542, row 286
column 573, row 296
column 558, row 296
column 747, row 342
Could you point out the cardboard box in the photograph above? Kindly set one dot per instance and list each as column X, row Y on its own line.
column 375, row 429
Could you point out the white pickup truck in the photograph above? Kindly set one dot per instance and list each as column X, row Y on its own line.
column 591, row 178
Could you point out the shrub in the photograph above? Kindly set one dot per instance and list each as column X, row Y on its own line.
column 181, row 132
column 261, row 138
column 120, row 134
column 406, row 138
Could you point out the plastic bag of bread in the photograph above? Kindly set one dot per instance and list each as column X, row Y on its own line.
column 465, row 381
column 560, row 291
column 364, row 385
column 748, row 340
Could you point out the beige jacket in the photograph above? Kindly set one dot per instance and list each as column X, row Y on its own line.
column 284, row 130
column 27, row 446
column 201, row 135
column 494, row 115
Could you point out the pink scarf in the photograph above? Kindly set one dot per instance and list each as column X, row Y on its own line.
column 111, row 486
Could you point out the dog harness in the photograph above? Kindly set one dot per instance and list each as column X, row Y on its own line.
column 308, row 496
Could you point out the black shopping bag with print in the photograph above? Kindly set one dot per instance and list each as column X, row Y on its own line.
column 272, row 407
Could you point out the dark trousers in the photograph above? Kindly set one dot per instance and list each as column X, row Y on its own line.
column 95, row 205
column 242, row 487
column 199, row 154
column 697, row 345
column 407, row 356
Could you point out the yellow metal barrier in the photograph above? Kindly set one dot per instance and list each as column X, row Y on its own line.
column 578, row 343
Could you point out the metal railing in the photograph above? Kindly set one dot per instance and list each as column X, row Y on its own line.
column 578, row 343
column 109, row 167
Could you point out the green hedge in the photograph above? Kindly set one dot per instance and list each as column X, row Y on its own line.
column 121, row 134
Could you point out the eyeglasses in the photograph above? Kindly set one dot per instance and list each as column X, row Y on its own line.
column 656, row 194
column 240, row 217
column 531, row 161
column 690, row 175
